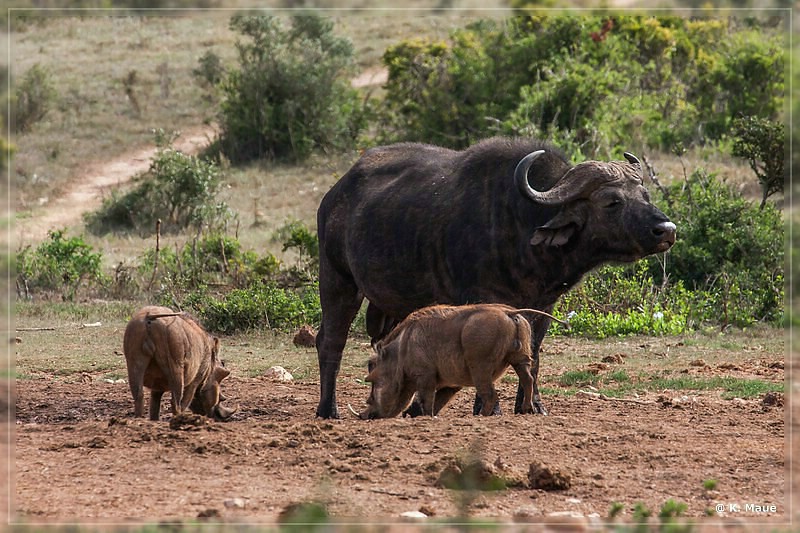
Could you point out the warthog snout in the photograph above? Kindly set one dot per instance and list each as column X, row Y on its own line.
column 222, row 413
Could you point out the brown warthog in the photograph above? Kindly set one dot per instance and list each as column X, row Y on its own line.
column 438, row 350
column 168, row 351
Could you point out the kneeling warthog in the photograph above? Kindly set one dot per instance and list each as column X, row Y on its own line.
column 168, row 351
column 438, row 350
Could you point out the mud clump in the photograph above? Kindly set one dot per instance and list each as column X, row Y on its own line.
column 305, row 337
column 188, row 421
column 772, row 399
column 548, row 478
column 475, row 474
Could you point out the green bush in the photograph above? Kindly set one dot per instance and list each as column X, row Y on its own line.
column 728, row 248
column 32, row 99
column 763, row 143
column 59, row 264
column 726, row 268
column 178, row 189
column 608, row 82
column 290, row 93
column 624, row 300
column 261, row 305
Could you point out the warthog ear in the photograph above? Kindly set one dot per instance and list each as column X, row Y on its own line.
column 221, row 373
column 372, row 377
column 560, row 229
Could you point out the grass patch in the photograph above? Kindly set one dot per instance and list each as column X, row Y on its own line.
column 577, row 378
column 619, row 384
column 732, row 387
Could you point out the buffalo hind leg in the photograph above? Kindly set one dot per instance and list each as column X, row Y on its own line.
column 340, row 302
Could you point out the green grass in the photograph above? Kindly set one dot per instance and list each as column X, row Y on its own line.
column 619, row 384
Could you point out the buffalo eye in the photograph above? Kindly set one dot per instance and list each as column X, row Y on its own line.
column 612, row 204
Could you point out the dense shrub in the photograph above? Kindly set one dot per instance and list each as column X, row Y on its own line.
column 178, row 189
column 629, row 81
column 290, row 93
column 59, row 264
column 728, row 247
column 260, row 305
column 726, row 268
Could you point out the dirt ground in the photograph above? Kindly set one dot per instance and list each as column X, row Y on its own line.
column 82, row 457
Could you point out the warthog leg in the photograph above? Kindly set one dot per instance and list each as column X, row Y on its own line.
column 443, row 396
column 523, row 371
column 155, row 403
column 477, row 407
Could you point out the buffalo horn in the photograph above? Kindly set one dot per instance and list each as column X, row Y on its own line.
column 564, row 191
column 632, row 159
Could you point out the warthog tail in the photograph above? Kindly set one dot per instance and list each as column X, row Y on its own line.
column 538, row 312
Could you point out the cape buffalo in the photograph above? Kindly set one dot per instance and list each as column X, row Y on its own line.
column 438, row 350
column 505, row 221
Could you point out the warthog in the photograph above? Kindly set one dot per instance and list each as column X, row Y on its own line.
column 168, row 351
column 438, row 350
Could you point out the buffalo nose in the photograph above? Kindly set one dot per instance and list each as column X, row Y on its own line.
column 666, row 232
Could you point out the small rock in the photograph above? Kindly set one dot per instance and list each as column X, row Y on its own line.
column 235, row 503
column 427, row 511
column 565, row 521
column 529, row 513
column 278, row 373
column 305, row 337
column 547, row 478
column 413, row 515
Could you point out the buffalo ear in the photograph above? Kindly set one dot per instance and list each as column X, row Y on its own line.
column 560, row 229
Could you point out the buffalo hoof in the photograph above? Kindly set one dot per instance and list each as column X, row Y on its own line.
column 332, row 412
column 538, row 408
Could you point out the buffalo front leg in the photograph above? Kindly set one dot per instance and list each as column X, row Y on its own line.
column 477, row 407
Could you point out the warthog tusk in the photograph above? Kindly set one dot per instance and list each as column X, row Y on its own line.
column 353, row 411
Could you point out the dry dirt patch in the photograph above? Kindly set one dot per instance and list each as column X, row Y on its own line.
column 80, row 456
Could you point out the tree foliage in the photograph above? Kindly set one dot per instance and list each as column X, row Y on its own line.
column 607, row 81
column 763, row 143
column 290, row 93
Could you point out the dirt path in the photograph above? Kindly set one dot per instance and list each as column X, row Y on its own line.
column 85, row 193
